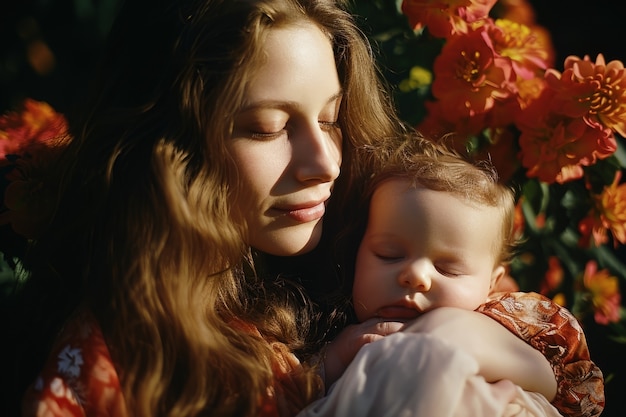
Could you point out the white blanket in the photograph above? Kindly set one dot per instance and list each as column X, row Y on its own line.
column 418, row 375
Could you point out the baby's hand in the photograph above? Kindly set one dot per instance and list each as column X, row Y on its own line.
column 338, row 354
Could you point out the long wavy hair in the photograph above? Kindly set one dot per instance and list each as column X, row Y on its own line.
column 143, row 234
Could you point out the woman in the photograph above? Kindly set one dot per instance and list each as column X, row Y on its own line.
column 175, row 275
column 213, row 127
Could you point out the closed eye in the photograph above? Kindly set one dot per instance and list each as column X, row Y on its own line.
column 325, row 126
column 267, row 135
column 448, row 272
column 388, row 258
column 328, row 126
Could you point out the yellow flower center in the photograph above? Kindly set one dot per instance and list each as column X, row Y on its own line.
column 468, row 70
column 606, row 99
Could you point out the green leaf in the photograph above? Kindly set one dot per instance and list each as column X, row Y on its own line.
column 607, row 259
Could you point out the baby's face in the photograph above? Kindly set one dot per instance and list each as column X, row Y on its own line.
column 424, row 249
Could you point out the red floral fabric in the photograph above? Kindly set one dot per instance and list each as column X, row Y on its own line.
column 79, row 378
column 556, row 333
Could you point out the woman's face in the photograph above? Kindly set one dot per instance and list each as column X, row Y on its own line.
column 286, row 143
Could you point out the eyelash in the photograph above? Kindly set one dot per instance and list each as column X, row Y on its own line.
column 446, row 273
column 388, row 258
column 266, row 136
column 325, row 126
column 391, row 259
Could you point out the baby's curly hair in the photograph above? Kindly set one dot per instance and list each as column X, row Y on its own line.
column 436, row 166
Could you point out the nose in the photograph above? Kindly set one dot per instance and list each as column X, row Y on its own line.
column 317, row 154
column 416, row 276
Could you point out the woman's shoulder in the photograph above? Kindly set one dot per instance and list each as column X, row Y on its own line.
column 78, row 377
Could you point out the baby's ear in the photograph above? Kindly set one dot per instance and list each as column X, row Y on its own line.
column 501, row 281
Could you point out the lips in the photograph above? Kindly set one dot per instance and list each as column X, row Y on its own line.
column 304, row 213
column 397, row 312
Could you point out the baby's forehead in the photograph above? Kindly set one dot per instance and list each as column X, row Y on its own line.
column 406, row 183
column 420, row 212
column 403, row 196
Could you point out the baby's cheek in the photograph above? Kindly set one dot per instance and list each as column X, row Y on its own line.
column 361, row 309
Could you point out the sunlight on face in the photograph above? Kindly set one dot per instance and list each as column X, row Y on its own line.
column 286, row 143
column 424, row 249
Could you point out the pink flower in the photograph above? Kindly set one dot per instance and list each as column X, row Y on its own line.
column 517, row 42
column 445, row 18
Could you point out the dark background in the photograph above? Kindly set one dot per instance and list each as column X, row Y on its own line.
column 48, row 47
column 73, row 31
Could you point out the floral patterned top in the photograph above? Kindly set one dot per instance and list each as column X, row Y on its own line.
column 556, row 333
column 79, row 378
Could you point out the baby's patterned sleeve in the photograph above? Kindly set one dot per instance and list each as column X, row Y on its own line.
column 557, row 334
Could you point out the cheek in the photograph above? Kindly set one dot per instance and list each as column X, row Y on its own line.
column 338, row 144
column 365, row 294
column 259, row 169
column 254, row 179
column 469, row 296
column 367, row 282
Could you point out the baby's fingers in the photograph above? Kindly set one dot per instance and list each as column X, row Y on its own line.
column 375, row 329
column 339, row 353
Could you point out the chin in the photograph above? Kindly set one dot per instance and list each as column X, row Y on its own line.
column 293, row 241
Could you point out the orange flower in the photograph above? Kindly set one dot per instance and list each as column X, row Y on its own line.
column 608, row 213
column 554, row 148
column 553, row 277
column 445, row 18
column 470, row 76
column 613, row 205
column 596, row 92
column 437, row 123
column 590, row 228
column 529, row 90
column 604, row 291
column 32, row 141
column 36, row 121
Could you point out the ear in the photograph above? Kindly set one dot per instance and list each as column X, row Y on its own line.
column 496, row 277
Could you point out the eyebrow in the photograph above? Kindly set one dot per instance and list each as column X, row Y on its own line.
column 278, row 104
